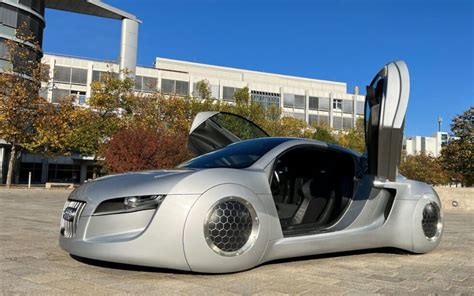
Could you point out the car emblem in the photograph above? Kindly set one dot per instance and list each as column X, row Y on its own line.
column 69, row 214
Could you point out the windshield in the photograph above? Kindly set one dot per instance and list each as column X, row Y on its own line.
column 238, row 155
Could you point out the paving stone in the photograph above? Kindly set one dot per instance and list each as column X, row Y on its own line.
column 31, row 262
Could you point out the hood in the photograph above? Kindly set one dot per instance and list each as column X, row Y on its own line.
column 129, row 184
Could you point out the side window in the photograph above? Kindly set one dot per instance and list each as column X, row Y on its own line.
column 239, row 126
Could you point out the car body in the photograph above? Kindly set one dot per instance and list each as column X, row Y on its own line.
column 249, row 198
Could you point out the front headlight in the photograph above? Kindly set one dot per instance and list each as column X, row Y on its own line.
column 129, row 204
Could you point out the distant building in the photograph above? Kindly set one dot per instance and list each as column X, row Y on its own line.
column 15, row 13
column 426, row 145
column 312, row 100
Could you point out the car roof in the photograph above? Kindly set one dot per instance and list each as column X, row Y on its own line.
column 287, row 143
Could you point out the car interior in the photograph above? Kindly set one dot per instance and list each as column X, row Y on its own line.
column 312, row 187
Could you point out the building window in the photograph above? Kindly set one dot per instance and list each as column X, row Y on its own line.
column 266, row 99
column 3, row 49
column 213, row 88
column 299, row 116
column 64, row 173
column 337, row 122
column 16, row 18
column 102, row 75
column 78, row 76
column 149, row 84
column 80, row 96
column 347, row 123
column 313, row 119
column 167, row 86
column 62, row 74
column 59, row 94
column 145, row 84
column 177, row 87
column 337, row 105
column 360, row 107
column 138, row 83
column 323, row 120
column 347, row 106
column 228, row 93
column 8, row 15
column 313, row 103
column 70, row 75
column 182, row 88
column 294, row 101
column 36, row 5
column 300, row 102
column 31, row 23
column 323, row 104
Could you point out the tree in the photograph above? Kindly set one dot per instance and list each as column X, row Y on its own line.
column 141, row 148
column 355, row 138
column 204, row 90
column 242, row 96
column 56, row 129
column 111, row 103
column 20, row 102
column 424, row 168
column 457, row 157
column 323, row 133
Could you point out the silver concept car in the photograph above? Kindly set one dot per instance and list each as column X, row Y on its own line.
column 249, row 198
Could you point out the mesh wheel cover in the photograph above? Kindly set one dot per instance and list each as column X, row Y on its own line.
column 430, row 221
column 229, row 226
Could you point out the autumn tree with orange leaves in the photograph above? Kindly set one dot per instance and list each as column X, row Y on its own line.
column 20, row 104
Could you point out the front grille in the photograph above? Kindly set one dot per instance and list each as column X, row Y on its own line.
column 70, row 215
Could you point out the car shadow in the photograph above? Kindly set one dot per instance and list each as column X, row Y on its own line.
column 387, row 250
column 123, row 266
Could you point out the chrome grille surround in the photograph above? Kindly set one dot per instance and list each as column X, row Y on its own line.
column 70, row 216
column 231, row 226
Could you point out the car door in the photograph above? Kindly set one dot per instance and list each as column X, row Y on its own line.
column 215, row 130
column 385, row 108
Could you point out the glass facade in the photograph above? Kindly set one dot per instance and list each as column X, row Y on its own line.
column 313, row 103
column 228, row 93
column 177, row 87
column 64, row 173
column 318, row 120
column 213, row 88
column 347, row 106
column 294, row 101
column 101, row 75
column 13, row 17
column 266, row 99
column 347, row 123
column 360, row 108
column 146, row 84
column 3, row 49
column 59, row 94
column 337, row 122
column 70, row 75
column 323, row 104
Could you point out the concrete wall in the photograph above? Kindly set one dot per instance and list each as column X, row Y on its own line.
column 464, row 197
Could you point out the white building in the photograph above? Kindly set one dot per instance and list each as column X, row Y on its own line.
column 312, row 100
column 426, row 145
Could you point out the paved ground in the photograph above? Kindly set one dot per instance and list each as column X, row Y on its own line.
column 32, row 263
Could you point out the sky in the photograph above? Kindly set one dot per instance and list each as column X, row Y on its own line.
column 345, row 40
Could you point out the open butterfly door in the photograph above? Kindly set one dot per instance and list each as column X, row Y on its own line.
column 385, row 108
column 214, row 130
